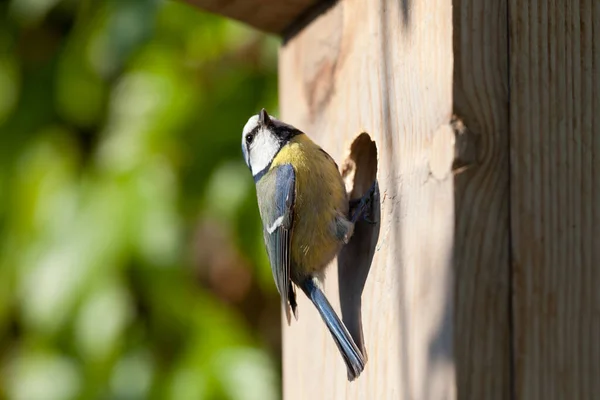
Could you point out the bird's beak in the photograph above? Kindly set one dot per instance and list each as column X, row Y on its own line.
column 263, row 117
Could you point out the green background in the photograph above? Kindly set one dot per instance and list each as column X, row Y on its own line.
column 132, row 264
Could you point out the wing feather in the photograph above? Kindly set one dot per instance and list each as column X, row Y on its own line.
column 276, row 203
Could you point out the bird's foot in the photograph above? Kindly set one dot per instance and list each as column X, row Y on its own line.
column 363, row 208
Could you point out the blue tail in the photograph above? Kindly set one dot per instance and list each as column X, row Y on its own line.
column 353, row 357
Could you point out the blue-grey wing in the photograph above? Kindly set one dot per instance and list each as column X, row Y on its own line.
column 276, row 203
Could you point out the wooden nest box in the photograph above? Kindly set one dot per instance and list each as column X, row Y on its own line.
column 482, row 279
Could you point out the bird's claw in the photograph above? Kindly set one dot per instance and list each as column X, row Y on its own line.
column 362, row 208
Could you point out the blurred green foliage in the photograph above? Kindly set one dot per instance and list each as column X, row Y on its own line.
column 131, row 257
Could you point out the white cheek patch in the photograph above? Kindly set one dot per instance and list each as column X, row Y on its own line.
column 263, row 150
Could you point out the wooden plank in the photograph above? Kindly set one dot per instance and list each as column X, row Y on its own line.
column 482, row 250
column 555, row 187
column 272, row 16
column 382, row 67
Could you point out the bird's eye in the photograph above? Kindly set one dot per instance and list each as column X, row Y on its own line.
column 249, row 138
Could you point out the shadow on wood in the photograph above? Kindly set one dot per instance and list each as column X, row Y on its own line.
column 481, row 199
column 354, row 260
column 405, row 8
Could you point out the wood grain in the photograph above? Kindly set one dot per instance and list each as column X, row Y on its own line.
column 383, row 67
column 271, row 16
column 482, row 250
column 555, row 197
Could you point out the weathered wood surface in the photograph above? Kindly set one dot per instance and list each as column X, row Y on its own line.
column 484, row 282
column 267, row 15
column 555, row 197
column 482, row 250
column 384, row 67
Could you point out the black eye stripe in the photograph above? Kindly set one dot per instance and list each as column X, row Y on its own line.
column 251, row 135
column 281, row 133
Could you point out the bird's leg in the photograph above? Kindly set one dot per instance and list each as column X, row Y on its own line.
column 362, row 208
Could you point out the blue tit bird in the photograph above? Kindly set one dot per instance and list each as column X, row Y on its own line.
column 304, row 209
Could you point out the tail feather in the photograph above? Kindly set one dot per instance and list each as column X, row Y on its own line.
column 291, row 304
column 352, row 355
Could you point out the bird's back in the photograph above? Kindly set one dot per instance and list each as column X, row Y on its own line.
column 320, row 198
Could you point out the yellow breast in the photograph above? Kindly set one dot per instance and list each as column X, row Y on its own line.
column 320, row 197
